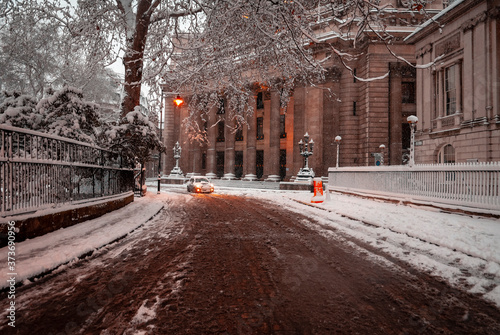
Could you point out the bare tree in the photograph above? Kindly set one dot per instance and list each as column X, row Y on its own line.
column 38, row 52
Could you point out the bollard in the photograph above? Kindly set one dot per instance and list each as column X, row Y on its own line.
column 318, row 191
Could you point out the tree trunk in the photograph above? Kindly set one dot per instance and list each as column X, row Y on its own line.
column 133, row 59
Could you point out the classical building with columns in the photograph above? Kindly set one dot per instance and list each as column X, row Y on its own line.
column 458, row 98
column 365, row 113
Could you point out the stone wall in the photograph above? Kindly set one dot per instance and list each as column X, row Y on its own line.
column 32, row 226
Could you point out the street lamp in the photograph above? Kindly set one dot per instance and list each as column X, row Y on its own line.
column 337, row 140
column 176, row 171
column 412, row 120
column 178, row 101
column 382, row 152
column 159, row 153
column 306, row 150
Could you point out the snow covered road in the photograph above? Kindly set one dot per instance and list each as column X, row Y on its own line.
column 248, row 261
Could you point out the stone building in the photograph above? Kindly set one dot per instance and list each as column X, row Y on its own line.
column 458, row 98
column 365, row 113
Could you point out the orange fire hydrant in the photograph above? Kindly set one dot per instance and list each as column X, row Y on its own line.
column 318, row 191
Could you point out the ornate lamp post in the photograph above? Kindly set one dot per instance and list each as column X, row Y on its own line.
column 176, row 171
column 412, row 120
column 337, row 140
column 306, row 150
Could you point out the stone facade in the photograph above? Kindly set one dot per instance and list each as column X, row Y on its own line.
column 458, row 97
column 366, row 114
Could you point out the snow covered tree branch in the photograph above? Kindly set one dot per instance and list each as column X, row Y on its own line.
column 206, row 46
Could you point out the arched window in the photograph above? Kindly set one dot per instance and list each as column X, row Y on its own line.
column 446, row 155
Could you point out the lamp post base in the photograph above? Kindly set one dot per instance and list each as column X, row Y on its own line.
column 176, row 173
column 304, row 175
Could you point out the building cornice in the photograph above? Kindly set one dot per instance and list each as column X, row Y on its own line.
column 444, row 17
column 493, row 13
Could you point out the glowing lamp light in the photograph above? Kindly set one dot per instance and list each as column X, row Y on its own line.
column 178, row 101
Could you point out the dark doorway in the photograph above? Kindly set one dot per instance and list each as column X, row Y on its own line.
column 282, row 164
column 259, row 162
column 406, row 136
column 220, row 164
column 238, row 164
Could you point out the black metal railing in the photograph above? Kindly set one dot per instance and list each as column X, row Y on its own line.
column 39, row 170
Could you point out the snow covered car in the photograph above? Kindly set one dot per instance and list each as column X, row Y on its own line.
column 200, row 185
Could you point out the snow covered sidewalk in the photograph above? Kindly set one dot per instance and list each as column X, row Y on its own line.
column 45, row 253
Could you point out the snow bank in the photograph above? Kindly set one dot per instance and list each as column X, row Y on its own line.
column 44, row 253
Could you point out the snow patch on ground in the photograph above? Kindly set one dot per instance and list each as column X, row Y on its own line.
column 145, row 314
column 48, row 252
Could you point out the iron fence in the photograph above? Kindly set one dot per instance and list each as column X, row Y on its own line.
column 38, row 170
column 469, row 184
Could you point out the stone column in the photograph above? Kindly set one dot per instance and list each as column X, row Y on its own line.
column 249, row 155
column 272, row 160
column 194, row 167
column 211, row 152
column 229, row 135
column 314, row 126
column 169, row 132
column 185, row 143
column 298, row 127
column 395, row 116
column 196, row 146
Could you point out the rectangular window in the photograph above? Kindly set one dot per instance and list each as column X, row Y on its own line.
column 282, row 126
column 260, row 128
column 354, row 111
column 282, row 164
column 238, row 164
column 408, row 92
column 450, row 87
column 220, row 131
column 405, row 135
column 204, row 161
column 239, row 135
column 221, row 109
column 220, row 163
column 259, row 163
column 260, row 101
column 447, row 88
